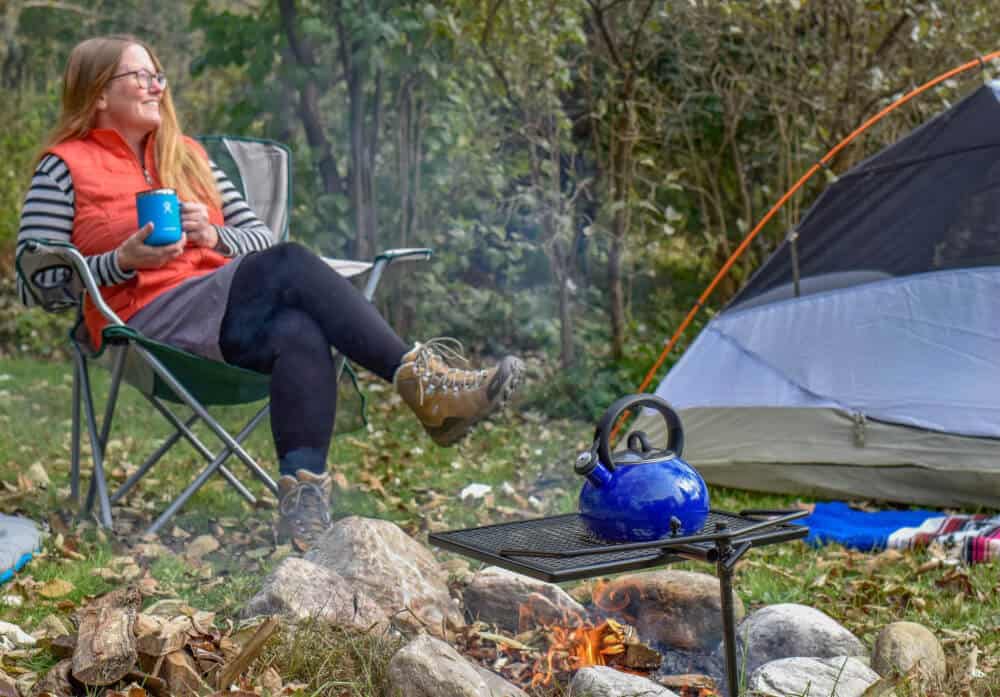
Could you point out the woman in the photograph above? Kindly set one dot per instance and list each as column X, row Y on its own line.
column 225, row 291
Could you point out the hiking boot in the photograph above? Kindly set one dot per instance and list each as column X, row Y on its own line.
column 448, row 401
column 303, row 507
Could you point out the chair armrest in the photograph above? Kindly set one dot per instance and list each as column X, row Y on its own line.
column 39, row 254
column 408, row 254
column 390, row 256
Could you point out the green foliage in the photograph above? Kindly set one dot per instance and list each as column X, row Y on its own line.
column 31, row 333
column 34, row 114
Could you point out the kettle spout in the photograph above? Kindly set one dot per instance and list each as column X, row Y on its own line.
column 589, row 466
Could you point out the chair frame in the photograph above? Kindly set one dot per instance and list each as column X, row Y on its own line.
column 122, row 341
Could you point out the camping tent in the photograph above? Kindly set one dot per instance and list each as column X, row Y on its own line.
column 863, row 358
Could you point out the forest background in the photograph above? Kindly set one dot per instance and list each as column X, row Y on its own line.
column 581, row 168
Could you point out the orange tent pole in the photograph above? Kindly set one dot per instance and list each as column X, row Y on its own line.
column 981, row 61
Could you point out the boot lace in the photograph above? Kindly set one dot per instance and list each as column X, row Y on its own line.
column 433, row 366
column 305, row 507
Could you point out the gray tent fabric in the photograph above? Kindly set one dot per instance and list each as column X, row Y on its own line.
column 920, row 350
column 20, row 539
column 829, row 453
column 876, row 372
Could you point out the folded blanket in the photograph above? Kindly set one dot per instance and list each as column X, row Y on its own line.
column 838, row 522
column 971, row 538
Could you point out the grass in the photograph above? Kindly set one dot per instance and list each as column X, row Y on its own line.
column 392, row 471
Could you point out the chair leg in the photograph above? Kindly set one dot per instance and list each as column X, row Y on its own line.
column 74, row 452
column 185, row 431
column 217, row 429
column 116, row 381
column 98, row 485
column 200, row 480
column 148, row 464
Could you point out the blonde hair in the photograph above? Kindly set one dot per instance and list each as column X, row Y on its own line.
column 91, row 65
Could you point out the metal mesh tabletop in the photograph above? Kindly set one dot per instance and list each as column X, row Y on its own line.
column 569, row 533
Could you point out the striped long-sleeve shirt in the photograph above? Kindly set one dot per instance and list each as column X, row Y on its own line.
column 50, row 206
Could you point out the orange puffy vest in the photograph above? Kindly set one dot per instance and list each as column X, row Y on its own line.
column 106, row 177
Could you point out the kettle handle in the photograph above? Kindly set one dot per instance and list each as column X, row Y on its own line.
column 675, row 432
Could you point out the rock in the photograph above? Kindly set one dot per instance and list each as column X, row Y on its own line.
column 789, row 631
column 681, row 609
column 843, row 676
column 300, row 589
column 518, row 603
column 496, row 686
column 16, row 635
column 600, row 681
column 428, row 667
column 396, row 571
column 904, row 646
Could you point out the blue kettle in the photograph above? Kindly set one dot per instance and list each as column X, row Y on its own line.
column 641, row 493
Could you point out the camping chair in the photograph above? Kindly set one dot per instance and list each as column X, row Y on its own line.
column 57, row 276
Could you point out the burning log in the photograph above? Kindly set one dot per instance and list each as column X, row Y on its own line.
column 619, row 645
column 690, row 685
column 553, row 653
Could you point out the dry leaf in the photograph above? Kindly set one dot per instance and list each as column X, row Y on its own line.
column 56, row 588
column 956, row 580
column 271, row 681
column 200, row 546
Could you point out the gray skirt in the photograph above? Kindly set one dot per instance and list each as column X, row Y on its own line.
column 190, row 315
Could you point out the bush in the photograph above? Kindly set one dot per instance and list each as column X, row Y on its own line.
column 33, row 115
column 32, row 333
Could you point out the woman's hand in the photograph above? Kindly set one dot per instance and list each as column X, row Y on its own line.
column 194, row 222
column 136, row 254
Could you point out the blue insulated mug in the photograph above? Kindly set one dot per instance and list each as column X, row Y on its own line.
column 161, row 207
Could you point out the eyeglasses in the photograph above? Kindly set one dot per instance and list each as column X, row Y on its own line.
column 144, row 78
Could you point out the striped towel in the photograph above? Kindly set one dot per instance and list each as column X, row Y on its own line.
column 971, row 538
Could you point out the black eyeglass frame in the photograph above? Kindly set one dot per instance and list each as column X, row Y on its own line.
column 161, row 78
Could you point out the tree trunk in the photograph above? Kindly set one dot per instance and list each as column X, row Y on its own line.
column 309, row 110
column 567, row 354
column 616, row 292
column 356, row 175
column 364, row 143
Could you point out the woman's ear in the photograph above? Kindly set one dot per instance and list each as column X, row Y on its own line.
column 102, row 101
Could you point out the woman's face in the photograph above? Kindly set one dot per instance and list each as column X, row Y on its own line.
column 130, row 104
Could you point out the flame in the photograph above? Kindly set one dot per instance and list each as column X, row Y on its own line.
column 572, row 641
column 572, row 648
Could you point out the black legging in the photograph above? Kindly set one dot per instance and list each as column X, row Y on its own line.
column 286, row 309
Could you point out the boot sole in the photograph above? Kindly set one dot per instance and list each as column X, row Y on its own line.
column 454, row 430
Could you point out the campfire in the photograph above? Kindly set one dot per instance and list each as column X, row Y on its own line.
column 553, row 649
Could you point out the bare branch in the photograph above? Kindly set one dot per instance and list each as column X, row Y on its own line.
column 598, row 14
